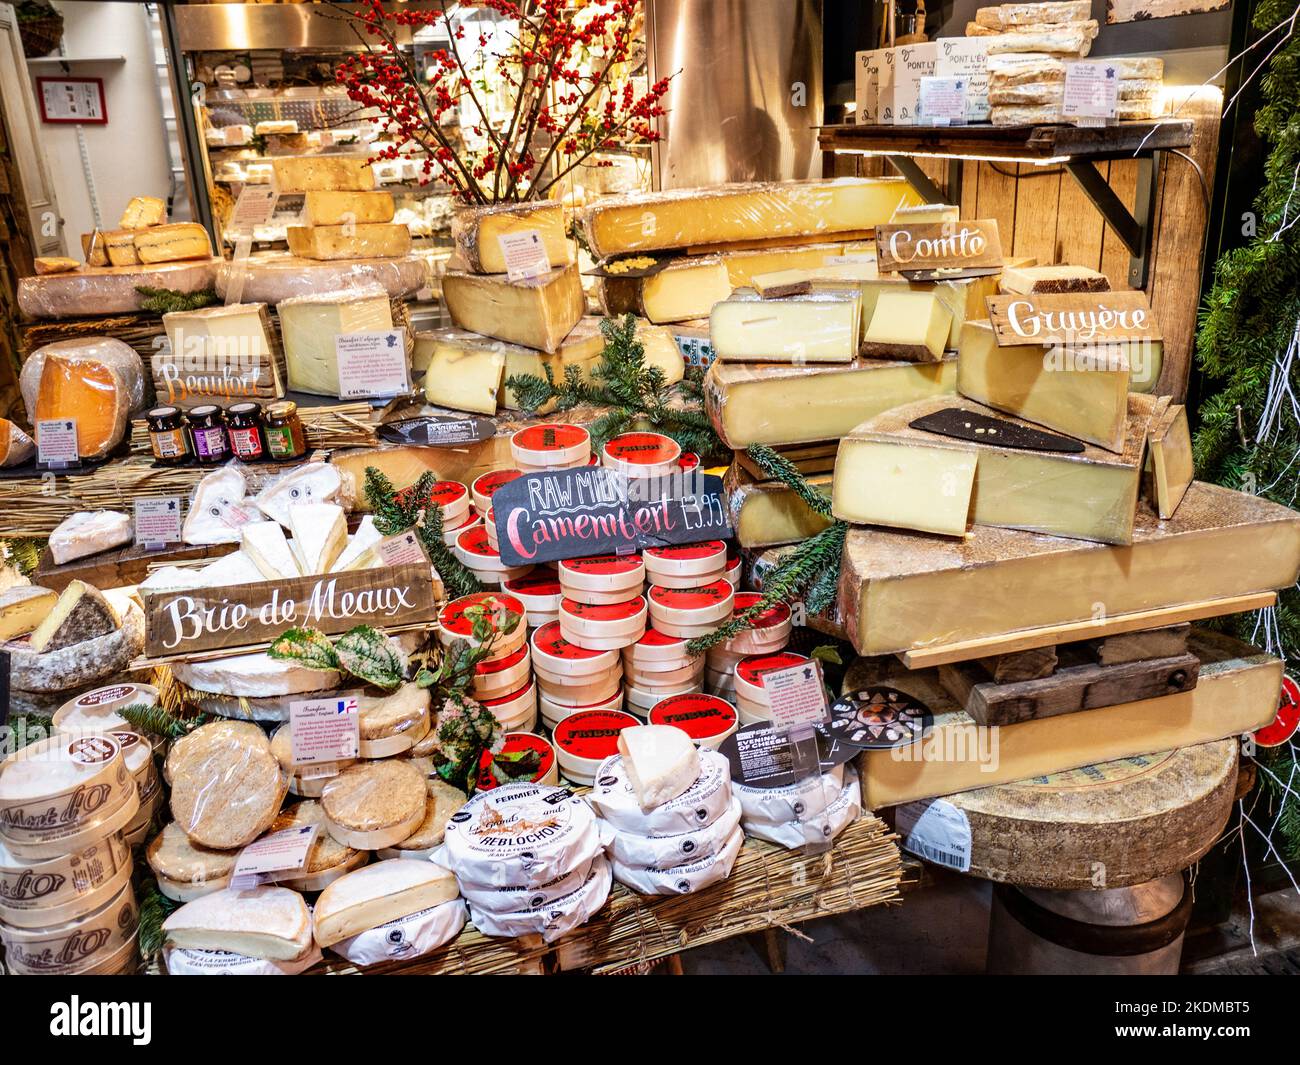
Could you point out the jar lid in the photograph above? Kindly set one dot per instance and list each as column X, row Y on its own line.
column 205, row 411
column 283, row 409
column 246, row 407
column 162, row 412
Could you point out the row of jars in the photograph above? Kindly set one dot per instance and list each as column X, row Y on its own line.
column 212, row 435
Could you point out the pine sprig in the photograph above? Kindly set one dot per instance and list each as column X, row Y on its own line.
column 158, row 721
column 637, row 393
column 24, row 554
column 155, row 908
column 780, row 468
column 813, row 565
column 167, row 300
column 413, row 508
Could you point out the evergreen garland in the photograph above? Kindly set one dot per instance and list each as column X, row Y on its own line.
column 155, row 908
column 637, row 394
column 21, row 553
column 412, row 508
column 1248, row 346
column 167, row 300
column 160, row 722
column 811, row 569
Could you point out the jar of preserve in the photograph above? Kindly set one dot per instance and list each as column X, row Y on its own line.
column 208, row 430
column 244, row 420
column 169, row 438
column 285, row 436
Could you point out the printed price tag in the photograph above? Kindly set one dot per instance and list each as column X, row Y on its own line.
column 324, row 730
column 402, row 549
column 1091, row 90
column 271, row 856
column 56, row 442
column 372, row 365
column 158, row 521
column 255, row 206
column 796, row 695
column 525, row 254
column 941, row 101
column 937, row 831
column 764, row 754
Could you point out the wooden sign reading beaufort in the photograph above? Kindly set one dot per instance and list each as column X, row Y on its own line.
column 934, row 245
column 220, row 379
column 1072, row 318
column 249, row 615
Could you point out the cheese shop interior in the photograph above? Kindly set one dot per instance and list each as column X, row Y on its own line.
column 557, row 471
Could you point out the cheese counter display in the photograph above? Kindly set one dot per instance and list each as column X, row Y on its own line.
column 613, row 568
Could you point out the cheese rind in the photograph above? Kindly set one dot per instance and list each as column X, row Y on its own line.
column 536, row 312
column 320, row 533
column 98, row 382
column 16, row 447
column 908, row 325
column 777, row 405
column 142, row 212
column 730, row 213
column 1077, row 392
column 265, row 922
column 87, row 533
column 687, row 288
column 882, row 477
column 1171, row 459
column 22, row 608
column 927, row 212
column 322, row 173
column 335, row 207
column 465, row 371
column 264, row 543
column 661, row 762
column 477, row 233
column 362, row 240
column 822, row 326
column 172, row 243
column 1061, row 277
column 378, row 893
column 899, row 591
column 81, row 613
column 309, row 326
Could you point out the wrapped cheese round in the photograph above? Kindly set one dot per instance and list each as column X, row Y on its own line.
column 97, row 711
column 522, row 834
column 707, row 719
column 375, row 804
column 226, row 784
column 82, row 945
column 393, row 723
column 699, row 806
column 791, row 802
column 819, row 828
column 49, row 891
column 306, row 779
column 682, row 879
column 554, row 653
column 96, row 381
column 514, row 899
column 682, row 848
column 327, row 860
column 62, row 794
column 190, row 961
column 553, row 919
column 403, row 938
column 186, row 870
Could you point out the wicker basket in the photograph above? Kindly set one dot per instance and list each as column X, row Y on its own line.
column 41, row 28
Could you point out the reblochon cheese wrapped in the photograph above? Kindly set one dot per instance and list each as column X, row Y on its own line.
column 682, row 879
column 665, row 852
column 821, row 827
column 550, row 920
column 698, row 806
column 519, row 834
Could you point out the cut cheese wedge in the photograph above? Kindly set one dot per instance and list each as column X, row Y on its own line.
column 80, row 614
column 900, row 591
column 537, row 312
column 465, row 371
column 264, row 543
column 822, row 326
column 775, row 405
column 142, row 212
column 926, row 212
column 357, row 555
column 477, row 232
column 379, row 893
column 1078, row 392
column 744, row 265
column 322, row 173
column 95, row 382
column 265, row 922
column 360, row 240
column 765, row 513
column 22, row 608
column 1171, row 459
column 320, row 533
column 1024, row 280
column 889, row 473
column 172, row 243
column 661, row 762
column 908, row 325
column 341, row 208
column 727, row 214
column 310, row 326
column 685, row 289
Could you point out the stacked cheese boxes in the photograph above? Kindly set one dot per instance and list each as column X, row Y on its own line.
column 346, row 219
column 1013, row 61
column 71, row 808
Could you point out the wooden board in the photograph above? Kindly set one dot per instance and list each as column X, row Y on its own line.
column 120, row 566
column 1022, row 640
column 1071, row 689
column 782, row 242
column 1010, row 142
column 938, row 245
column 1020, row 665
column 1072, row 318
column 1135, row 646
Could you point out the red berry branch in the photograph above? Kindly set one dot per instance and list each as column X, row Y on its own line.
column 563, row 74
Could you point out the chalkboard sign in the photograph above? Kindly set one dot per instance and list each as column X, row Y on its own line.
column 592, row 510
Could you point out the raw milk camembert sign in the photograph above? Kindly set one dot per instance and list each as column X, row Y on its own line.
column 592, row 510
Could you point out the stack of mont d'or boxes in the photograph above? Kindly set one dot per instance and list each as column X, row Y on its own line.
column 1012, row 60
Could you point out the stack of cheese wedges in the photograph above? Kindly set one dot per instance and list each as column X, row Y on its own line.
column 344, row 216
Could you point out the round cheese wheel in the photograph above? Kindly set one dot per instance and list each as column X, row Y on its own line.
column 585, row 739
column 540, row 592
column 514, row 707
column 553, row 653
column 226, row 784
column 684, row 560
column 443, row 801
column 645, row 700
column 732, row 572
column 703, row 605
column 96, row 711
column 550, row 445
column 639, row 454
column 44, row 892
column 657, row 651
column 86, row 944
column 475, row 550
column 1131, row 820
column 553, row 713
column 455, row 624
column 374, row 804
column 690, row 673
column 682, row 879
column 328, row 859
column 486, row 484
column 769, row 631
column 513, row 899
column 514, row 745
column 452, row 498
column 687, row 461
column 701, row 804
column 608, row 626
column 451, row 533
column 681, row 848
column 749, row 673
column 613, row 575
column 552, row 919
column 184, row 864
column 498, row 677
column 583, row 691
column 707, row 719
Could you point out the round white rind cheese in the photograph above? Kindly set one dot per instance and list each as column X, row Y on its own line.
column 820, row 828
column 552, row 919
column 187, row 961
column 793, row 802
column 697, row 807
column 682, row 879
column 407, row 937
column 665, row 852
column 513, row 899
column 253, row 676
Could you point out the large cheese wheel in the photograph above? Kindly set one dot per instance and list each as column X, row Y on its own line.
column 1109, row 825
column 16, row 447
column 98, row 382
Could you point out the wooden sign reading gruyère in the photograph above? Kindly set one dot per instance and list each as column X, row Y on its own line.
column 250, row 615
column 936, row 245
column 1072, row 318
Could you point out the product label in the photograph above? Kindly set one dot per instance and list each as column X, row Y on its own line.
column 941, row 101
column 455, row 621
column 279, row 441
column 324, row 730
column 169, row 444
column 490, row 482
column 550, row 438
column 702, row 717
column 211, row 443
column 1091, row 91
column 592, row 734
column 372, row 364
column 937, row 831
column 246, row 443
column 56, row 442
column 403, row 549
column 524, row 253
column 158, row 521
column 255, row 206
column 643, row 448
column 796, row 695
column 752, row 669
column 270, row 857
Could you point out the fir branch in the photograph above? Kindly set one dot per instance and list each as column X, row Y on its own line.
column 155, row 908
column 158, row 721
column 27, row 728
column 780, row 468
column 167, row 300
column 24, row 554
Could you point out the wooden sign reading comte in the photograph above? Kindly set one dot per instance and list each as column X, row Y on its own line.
column 1072, row 318
column 967, row 245
column 253, row 615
